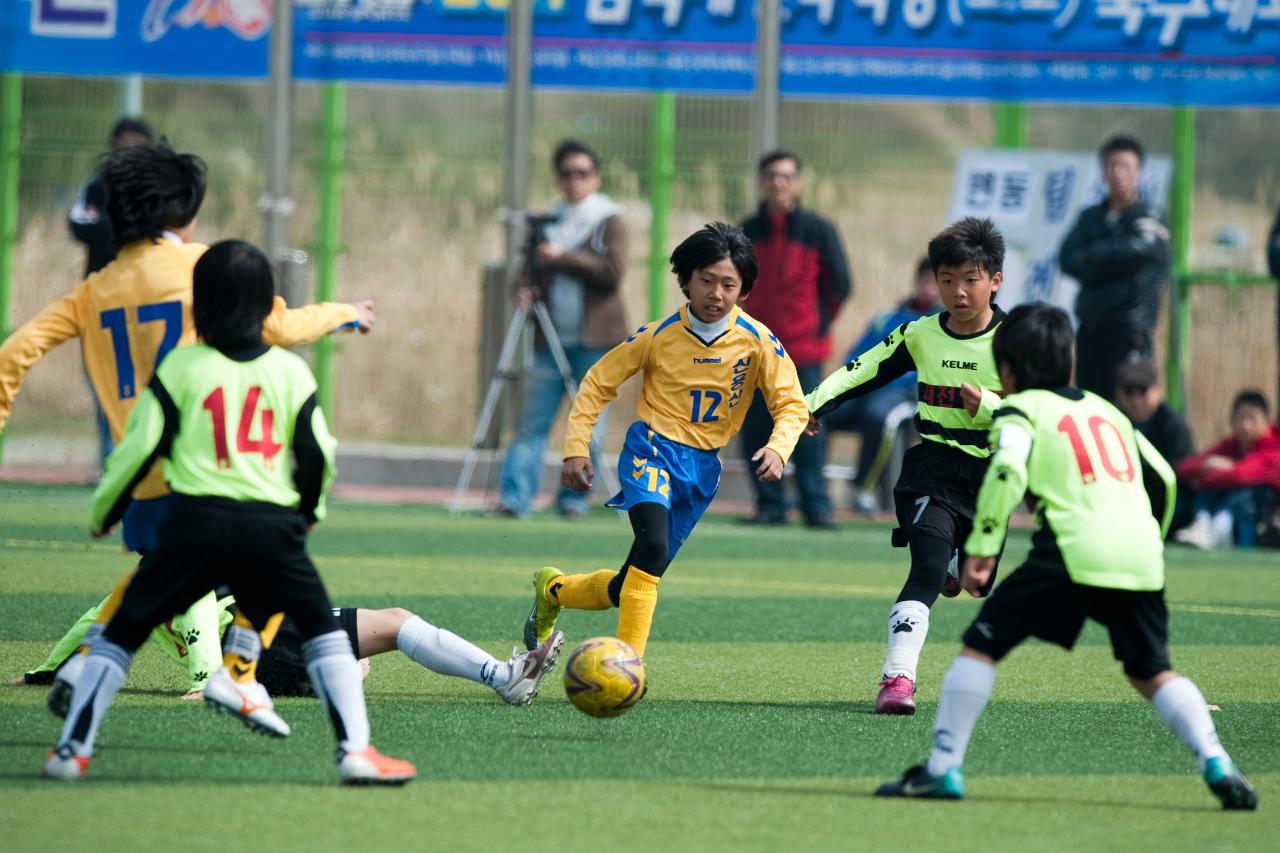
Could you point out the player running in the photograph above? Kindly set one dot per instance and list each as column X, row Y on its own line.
column 249, row 460
column 1103, row 499
column 702, row 365
column 936, row 491
column 128, row 317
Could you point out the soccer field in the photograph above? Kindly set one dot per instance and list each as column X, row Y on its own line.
column 757, row 732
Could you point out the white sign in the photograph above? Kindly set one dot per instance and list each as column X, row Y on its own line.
column 1035, row 197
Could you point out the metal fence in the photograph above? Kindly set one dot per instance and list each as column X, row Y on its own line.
column 423, row 177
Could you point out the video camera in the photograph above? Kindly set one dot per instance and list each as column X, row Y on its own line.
column 534, row 223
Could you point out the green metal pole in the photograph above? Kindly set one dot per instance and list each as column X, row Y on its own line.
column 10, row 149
column 1181, row 201
column 329, row 226
column 1011, row 124
column 662, row 172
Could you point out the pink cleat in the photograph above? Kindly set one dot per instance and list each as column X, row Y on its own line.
column 895, row 696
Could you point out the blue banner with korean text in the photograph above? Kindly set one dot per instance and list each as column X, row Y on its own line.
column 1205, row 52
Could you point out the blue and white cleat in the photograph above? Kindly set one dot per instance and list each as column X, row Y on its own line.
column 1229, row 785
column 917, row 783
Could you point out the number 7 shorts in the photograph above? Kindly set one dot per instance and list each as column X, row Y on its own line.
column 654, row 469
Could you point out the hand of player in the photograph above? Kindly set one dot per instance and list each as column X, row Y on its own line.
column 975, row 573
column 547, row 253
column 524, row 297
column 1218, row 463
column 193, row 696
column 770, row 468
column 365, row 317
column 972, row 398
column 814, row 426
column 576, row 473
column 98, row 534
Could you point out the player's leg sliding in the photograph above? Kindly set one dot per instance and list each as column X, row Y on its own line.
column 909, row 624
column 234, row 689
column 335, row 675
column 59, row 699
column 104, row 671
column 1182, row 707
column 515, row 680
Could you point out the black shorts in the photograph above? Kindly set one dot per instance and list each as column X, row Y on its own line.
column 936, row 494
column 1040, row 600
column 282, row 669
column 259, row 552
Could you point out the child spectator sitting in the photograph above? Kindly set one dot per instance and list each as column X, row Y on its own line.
column 1236, row 480
column 1139, row 395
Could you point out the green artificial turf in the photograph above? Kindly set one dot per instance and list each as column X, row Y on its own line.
column 756, row 734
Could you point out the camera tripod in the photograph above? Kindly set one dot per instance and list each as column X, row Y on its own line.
column 504, row 373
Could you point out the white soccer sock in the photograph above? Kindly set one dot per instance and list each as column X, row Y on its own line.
column 335, row 675
column 242, row 642
column 1182, row 707
column 92, row 633
column 908, row 627
column 448, row 654
column 965, row 690
column 104, row 670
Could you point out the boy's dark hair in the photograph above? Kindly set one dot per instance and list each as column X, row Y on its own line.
column 1121, row 142
column 130, row 124
column 569, row 147
column 711, row 243
column 1138, row 373
column 970, row 239
column 232, row 293
column 774, row 156
column 150, row 188
column 1251, row 397
column 1037, row 343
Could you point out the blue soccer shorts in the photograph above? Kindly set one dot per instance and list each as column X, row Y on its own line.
column 653, row 469
column 142, row 522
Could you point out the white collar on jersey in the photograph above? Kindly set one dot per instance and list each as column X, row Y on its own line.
column 707, row 332
column 171, row 237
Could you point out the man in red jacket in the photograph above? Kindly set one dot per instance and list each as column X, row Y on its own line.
column 803, row 281
column 1236, row 480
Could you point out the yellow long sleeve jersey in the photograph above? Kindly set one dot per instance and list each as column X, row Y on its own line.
column 128, row 316
column 694, row 392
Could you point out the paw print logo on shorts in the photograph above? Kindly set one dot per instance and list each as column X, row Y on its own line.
column 191, row 636
column 200, row 676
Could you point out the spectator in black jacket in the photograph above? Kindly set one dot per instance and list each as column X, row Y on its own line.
column 1273, row 263
column 1139, row 395
column 1119, row 252
column 803, row 281
column 88, row 218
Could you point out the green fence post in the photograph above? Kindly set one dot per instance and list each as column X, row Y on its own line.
column 1011, row 124
column 1181, row 199
column 329, row 226
column 662, row 172
column 10, row 150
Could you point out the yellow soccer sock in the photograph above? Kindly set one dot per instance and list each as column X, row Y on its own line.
column 242, row 668
column 582, row 592
column 635, row 608
column 109, row 609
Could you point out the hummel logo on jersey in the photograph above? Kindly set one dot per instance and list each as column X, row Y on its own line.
column 715, row 360
column 959, row 365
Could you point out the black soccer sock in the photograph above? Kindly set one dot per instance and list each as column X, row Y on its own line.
column 929, row 558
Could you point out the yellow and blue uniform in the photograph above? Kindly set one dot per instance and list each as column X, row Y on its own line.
column 694, row 398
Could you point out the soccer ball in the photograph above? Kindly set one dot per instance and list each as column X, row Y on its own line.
column 604, row 677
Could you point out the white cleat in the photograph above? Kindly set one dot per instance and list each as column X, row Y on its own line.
column 528, row 670
column 370, row 767
column 249, row 702
column 65, row 765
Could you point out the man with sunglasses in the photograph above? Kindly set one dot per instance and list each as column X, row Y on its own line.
column 577, row 267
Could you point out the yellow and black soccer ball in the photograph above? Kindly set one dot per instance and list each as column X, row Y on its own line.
column 604, row 677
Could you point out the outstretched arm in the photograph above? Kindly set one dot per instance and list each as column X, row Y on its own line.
column 1002, row 487
column 291, row 327
column 58, row 322
column 873, row 369
column 599, row 387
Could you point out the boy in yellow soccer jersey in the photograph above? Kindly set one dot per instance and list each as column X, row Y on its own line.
column 957, row 381
column 249, row 458
column 701, row 365
column 1103, row 499
column 128, row 316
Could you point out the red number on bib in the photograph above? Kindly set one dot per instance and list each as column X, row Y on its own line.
column 1068, row 427
column 215, row 404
